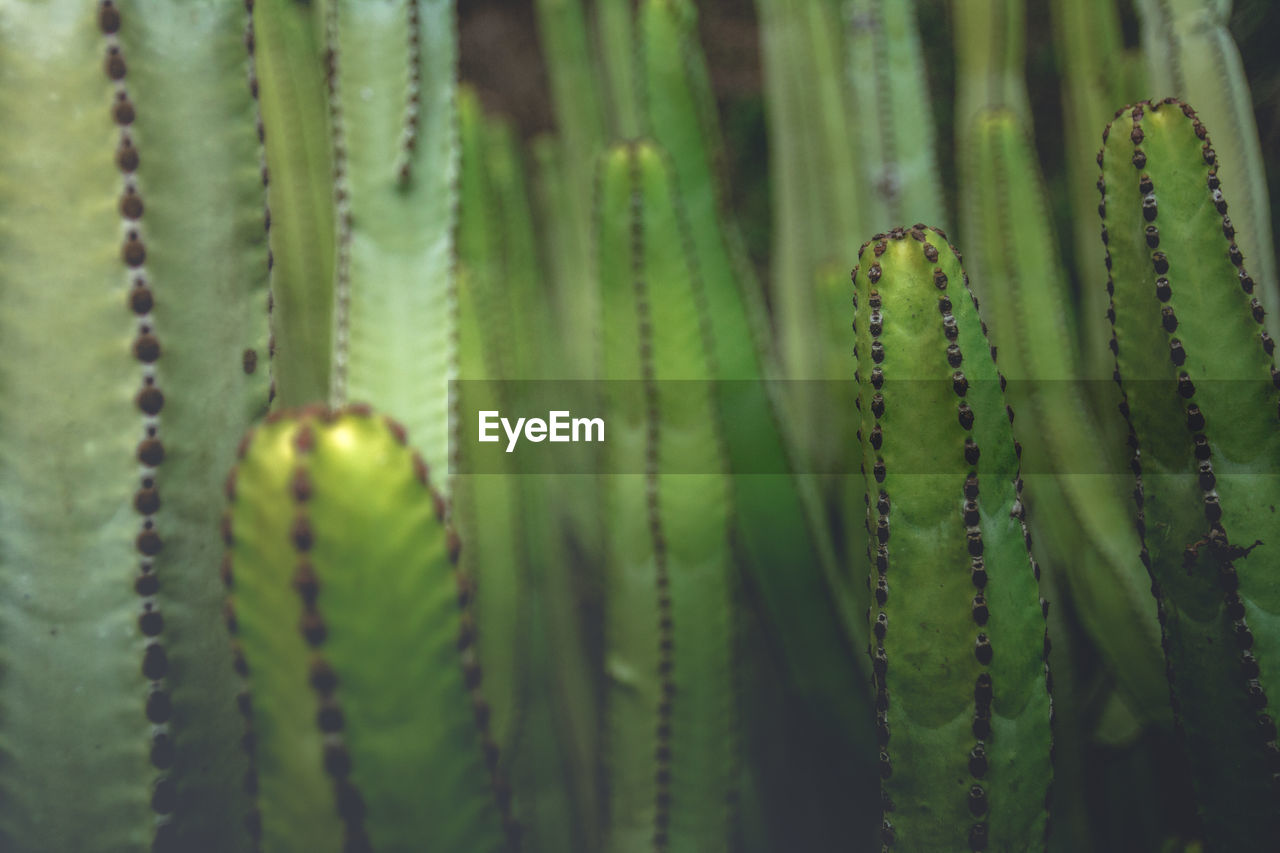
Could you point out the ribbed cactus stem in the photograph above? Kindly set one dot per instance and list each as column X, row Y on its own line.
column 958, row 646
column 136, row 345
column 671, row 731
column 1190, row 54
column 1199, row 382
column 365, row 284
column 364, row 713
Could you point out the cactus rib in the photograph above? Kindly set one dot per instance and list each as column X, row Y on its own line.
column 106, row 559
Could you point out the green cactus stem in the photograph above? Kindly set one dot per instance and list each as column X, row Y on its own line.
column 541, row 672
column 959, row 641
column 670, row 751
column 1191, row 55
column 1076, row 504
column 1198, row 376
column 785, row 550
column 843, row 162
column 364, row 715
column 582, row 128
column 376, row 83
column 1097, row 73
column 135, row 343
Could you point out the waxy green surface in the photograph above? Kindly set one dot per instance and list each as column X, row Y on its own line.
column 387, row 594
column 372, row 262
column 77, row 771
column 1198, row 379
column 670, row 731
column 925, row 625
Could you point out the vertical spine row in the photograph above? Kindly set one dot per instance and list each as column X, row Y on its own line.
column 413, row 95
column 251, row 47
column 329, row 716
column 342, row 212
column 878, row 539
column 662, row 580
column 252, row 819
column 149, row 400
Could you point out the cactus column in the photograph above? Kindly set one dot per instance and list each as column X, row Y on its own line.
column 962, row 711
column 1199, row 379
column 134, row 281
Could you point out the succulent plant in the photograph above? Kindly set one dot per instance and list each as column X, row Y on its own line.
column 1198, row 374
column 959, row 645
column 360, row 127
column 669, row 745
column 365, row 722
column 207, row 205
column 135, row 362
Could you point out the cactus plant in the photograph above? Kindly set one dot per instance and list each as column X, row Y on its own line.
column 345, row 607
column 670, row 735
column 1199, row 379
column 1191, row 55
column 359, row 119
column 133, row 362
column 963, row 711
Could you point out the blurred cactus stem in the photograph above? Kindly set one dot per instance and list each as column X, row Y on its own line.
column 671, row 755
column 541, row 673
column 360, row 121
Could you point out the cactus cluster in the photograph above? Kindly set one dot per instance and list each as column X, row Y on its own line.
column 792, row 601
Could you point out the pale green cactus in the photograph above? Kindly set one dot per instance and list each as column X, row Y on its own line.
column 359, row 115
column 135, row 336
column 958, row 635
column 1199, row 379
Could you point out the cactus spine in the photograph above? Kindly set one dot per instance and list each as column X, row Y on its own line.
column 963, row 713
column 365, row 721
column 1199, row 380
column 135, row 340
